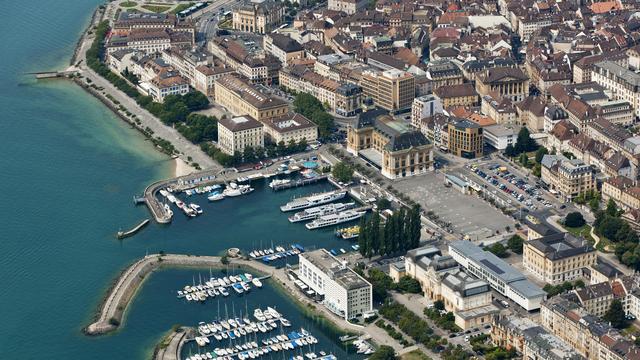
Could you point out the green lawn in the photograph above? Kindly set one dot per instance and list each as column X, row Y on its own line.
column 583, row 231
column 415, row 355
column 156, row 8
column 128, row 4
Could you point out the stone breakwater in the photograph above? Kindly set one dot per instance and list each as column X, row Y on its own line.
column 114, row 306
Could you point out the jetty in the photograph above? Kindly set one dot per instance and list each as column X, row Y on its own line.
column 299, row 183
column 119, row 296
column 133, row 231
column 41, row 75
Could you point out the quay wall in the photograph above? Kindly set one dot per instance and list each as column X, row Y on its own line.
column 113, row 308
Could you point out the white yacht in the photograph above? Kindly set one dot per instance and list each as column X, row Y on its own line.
column 256, row 282
column 277, row 182
column 196, row 208
column 167, row 209
column 334, row 219
column 237, row 190
column 315, row 212
column 313, row 200
column 215, row 196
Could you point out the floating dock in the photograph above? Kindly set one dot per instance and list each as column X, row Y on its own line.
column 125, row 234
column 298, row 183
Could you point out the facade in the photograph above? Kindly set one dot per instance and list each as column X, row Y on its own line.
column 557, row 258
column 567, row 177
column 500, row 136
column 457, row 95
column 132, row 20
column 469, row 299
column 395, row 148
column 348, row 6
column 290, row 127
column 260, row 17
column 507, row 82
column 465, row 138
column 596, row 298
column 424, row 106
column 283, row 48
column 623, row 83
column 345, row 292
column 501, row 276
column 623, row 191
column 393, row 90
column 165, row 84
column 242, row 98
column 149, row 40
column 238, row 133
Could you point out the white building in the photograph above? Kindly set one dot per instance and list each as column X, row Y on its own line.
column 501, row 276
column 623, row 83
column 238, row 133
column 345, row 292
column 501, row 136
column 424, row 106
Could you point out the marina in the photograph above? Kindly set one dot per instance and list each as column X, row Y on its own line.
column 220, row 287
column 279, row 252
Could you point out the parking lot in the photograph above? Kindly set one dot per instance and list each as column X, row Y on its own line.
column 466, row 213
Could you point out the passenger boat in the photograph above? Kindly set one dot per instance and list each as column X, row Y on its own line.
column 315, row 212
column 313, row 200
column 334, row 219
column 277, row 182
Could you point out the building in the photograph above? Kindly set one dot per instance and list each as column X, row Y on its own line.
column 348, row 6
column 557, row 258
column 603, row 272
column 469, row 298
column 392, row 146
column 238, row 133
column 567, row 177
column 443, row 73
column 259, row 17
column 283, row 48
column 500, row 136
column 133, row 20
column 465, row 138
column 595, row 298
column 393, row 90
column 457, row 95
column 502, row 277
column 242, row 98
column 427, row 265
column 424, row 106
column 165, row 84
column 149, row 40
column 623, row 83
column 623, row 191
column 508, row 82
column 344, row 292
column 290, row 127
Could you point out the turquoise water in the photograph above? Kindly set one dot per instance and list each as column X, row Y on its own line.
column 69, row 170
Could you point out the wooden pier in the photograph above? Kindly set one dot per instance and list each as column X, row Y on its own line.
column 298, row 183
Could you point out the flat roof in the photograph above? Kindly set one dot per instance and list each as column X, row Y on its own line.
column 335, row 269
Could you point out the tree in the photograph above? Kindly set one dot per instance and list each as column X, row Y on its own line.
column 309, row 106
column 525, row 143
column 498, row 250
column 383, row 204
column 438, row 305
column 615, row 315
column 612, row 208
column 342, row 172
column 524, row 160
column 384, row 352
column 414, row 227
column 409, row 285
column 540, row 154
column 515, row 244
column 510, row 151
column 574, row 220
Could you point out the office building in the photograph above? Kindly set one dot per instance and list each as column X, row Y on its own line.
column 238, row 133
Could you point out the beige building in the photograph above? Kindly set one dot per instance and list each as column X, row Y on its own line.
column 623, row 191
column 290, row 127
column 465, row 138
column 348, row 6
column 457, row 95
column 623, row 83
column 557, row 258
column 260, row 18
column 392, row 90
column 283, row 48
column 392, row 146
column 238, row 133
column 567, row 177
column 508, row 82
column 595, row 299
column 241, row 98
column 469, row 298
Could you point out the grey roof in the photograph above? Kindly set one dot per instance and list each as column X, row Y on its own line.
column 606, row 269
column 285, row 43
column 561, row 245
column 240, row 123
column 620, row 72
column 406, row 141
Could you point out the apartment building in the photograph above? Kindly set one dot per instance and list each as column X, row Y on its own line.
column 290, row 127
column 344, row 292
column 392, row 146
column 424, row 106
column 623, row 83
column 508, row 82
column 283, row 48
column 595, row 298
column 348, row 6
column 502, row 277
column 393, row 90
column 344, row 99
column 443, row 73
column 567, row 177
column 457, row 95
column 502, row 111
column 133, row 20
column 465, row 138
column 149, row 40
column 624, row 191
column 557, row 258
column 258, row 17
column 253, row 65
column 238, row 133
column 242, row 98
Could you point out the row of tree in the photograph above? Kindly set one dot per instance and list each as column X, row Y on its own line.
column 253, row 154
column 399, row 233
column 307, row 105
